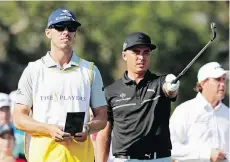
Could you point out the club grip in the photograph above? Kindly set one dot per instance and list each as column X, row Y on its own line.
column 213, row 28
column 176, row 79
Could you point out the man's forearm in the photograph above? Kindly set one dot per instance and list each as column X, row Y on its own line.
column 103, row 141
column 29, row 125
column 102, row 149
column 98, row 122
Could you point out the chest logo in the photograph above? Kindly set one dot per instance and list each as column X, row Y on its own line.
column 56, row 97
column 122, row 95
column 122, row 98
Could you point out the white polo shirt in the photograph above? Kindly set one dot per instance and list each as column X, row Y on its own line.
column 196, row 128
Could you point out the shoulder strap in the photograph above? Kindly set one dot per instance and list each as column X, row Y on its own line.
column 91, row 82
column 91, row 73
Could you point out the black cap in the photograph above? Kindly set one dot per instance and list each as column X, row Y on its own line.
column 138, row 38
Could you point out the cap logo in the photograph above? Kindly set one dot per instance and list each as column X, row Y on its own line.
column 66, row 12
column 64, row 17
column 140, row 37
column 217, row 67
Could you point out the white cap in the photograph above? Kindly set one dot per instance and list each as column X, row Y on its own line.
column 4, row 100
column 210, row 70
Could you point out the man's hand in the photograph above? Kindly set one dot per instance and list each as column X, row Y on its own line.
column 217, row 155
column 81, row 137
column 57, row 133
column 171, row 87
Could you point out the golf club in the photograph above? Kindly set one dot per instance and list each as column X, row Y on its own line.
column 213, row 28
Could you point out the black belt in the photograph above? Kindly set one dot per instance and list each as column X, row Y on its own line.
column 152, row 155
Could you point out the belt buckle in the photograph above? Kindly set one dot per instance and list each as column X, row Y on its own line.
column 148, row 155
column 154, row 155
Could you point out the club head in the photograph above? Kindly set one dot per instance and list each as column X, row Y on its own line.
column 213, row 28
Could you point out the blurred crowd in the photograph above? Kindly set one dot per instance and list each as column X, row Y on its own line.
column 11, row 139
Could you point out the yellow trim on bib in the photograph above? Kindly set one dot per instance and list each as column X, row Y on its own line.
column 91, row 82
column 25, row 145
column 91, row 73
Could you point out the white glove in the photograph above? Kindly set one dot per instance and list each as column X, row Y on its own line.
column 171, row 87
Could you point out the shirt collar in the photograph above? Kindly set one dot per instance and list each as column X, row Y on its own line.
column 49, row 62
column 125, row 78
column 74, row 59
column 205, row 104
column 147, row 77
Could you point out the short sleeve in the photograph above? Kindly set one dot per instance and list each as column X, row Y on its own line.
column 110, row 110
column 24, row 90
column 97, row 95
column 162, row 81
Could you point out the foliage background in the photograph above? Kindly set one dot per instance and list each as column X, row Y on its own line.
column 180, row 29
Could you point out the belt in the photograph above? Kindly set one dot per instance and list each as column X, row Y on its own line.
column 146, row 156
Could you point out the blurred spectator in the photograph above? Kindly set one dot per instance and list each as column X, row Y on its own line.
column 12, row 99
column 7, row 142
column 4, row 109
column 18, row 134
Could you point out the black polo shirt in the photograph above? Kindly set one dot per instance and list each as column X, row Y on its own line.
column 139, row 114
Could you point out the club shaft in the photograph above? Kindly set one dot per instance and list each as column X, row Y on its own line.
column 190, row 64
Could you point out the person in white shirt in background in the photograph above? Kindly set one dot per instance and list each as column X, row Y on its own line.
column 200, row 127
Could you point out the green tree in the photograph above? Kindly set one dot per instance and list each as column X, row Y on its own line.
column 179, row 29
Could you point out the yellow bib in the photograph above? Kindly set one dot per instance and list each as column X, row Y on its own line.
column 45, row 149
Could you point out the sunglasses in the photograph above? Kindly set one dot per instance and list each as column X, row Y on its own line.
column 62, row 27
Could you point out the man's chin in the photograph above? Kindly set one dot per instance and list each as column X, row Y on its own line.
column 220, row 97
column 141, row 71
column 65, row 46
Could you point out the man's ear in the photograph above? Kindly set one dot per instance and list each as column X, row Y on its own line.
column 48, row 33
column 203, row 83
column 124, row 56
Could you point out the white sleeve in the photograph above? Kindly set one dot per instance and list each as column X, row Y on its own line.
column 24, row 91
column 97, row 95
column 181, row 150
